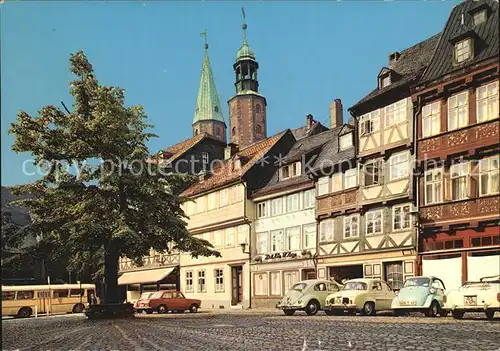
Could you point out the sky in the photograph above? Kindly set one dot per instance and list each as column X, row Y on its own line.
column 309, row 53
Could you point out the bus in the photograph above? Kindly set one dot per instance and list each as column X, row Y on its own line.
column 26, row 300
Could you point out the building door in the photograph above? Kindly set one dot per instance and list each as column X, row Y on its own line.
column 394, row 274
column 236, row 284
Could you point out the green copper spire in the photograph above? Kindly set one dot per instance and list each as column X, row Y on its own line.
column 244, row 52
column 208, row 107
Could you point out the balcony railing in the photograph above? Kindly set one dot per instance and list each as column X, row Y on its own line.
column 149, row 262
column 337, row 202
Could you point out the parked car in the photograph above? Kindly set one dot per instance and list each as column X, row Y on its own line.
column 167, row 300
column 308, row 296
column 366, row 296
column 144, row 296
column 482, row 296
column 421, row 294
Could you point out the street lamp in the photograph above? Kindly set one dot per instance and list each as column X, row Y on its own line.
column 243, row 247
column 315, row 262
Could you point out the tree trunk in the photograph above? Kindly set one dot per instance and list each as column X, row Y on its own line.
column 111, row 276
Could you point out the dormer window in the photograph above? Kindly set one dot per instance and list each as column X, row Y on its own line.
column 290, row 171
column 345, row 141
column 385, row 81
column 463, row 50
column 480, row 17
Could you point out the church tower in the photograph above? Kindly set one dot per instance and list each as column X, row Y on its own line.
column 247, row 109
column 208, row 116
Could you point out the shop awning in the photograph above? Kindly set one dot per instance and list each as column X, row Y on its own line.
column 146, row 276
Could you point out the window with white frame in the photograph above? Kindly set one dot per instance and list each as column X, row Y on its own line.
column 487, row 102
column 200, row 203
column 488, row 176
column 292, row 203
column 292, row 238
column 290, row 278
column 431, row 119
column 237, row 194
column 351, row 226
column 401, row 217
column 345, row 141
column 261, row 284
column 395, row 113
column 243, row 234
column 323, row 184
column 189, row 281
column 459, row 180
column 370, row 122
column 211, row 201
column 276, row 206
column 218, row 239
column 373, row 172
column 433, row 186
column 309, row 199
column 277, row 240
column 290, row 171
column 350, row 178
column 385, row 80
column 373, row 221
column 463, row 50
column 262, row 243
column 309, row 235
column 458, row 111
column 261, row 209
column 204, row 156
column 398, row 166
column 275, row 284
column 224, row 198
column 230, row 237
column 202, row 286
column 480, row 17
column 219, row 280
column 326, row 230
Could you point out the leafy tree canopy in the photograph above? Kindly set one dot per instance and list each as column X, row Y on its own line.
column 122, row 206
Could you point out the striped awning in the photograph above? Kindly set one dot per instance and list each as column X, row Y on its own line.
column 146, row 276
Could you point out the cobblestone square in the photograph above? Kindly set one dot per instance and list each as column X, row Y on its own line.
column 251, row 331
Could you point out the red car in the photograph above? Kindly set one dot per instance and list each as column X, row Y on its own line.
column 166, row 300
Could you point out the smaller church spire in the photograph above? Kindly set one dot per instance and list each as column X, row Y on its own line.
column 208, row 115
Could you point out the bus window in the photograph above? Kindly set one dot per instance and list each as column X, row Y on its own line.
column 25, row 295
column 8, row 295
column 75, row 293
column 60, row 293
column 43, row 294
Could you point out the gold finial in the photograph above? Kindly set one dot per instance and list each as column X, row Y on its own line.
column 204, row 35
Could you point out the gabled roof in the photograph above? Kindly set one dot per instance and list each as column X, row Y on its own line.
column 224, row 172
column 301, row 147
column 173, row 152
column 409, row 66
column 486, row 46
column 330, row 153
column 303, row 132
column 208, row 105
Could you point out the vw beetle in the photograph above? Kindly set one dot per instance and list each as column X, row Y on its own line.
column 421, row 294
column 308, row 296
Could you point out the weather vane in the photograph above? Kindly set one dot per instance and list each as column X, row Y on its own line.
column 244, row 25
column 204, row 35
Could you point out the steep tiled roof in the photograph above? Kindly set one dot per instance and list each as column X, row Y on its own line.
column 301, row 147
column 486, row 47
column 173, row 152
column 408, row 67
column 330, row 153
column 224, row 172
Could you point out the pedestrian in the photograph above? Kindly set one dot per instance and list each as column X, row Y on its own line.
column 93, row 300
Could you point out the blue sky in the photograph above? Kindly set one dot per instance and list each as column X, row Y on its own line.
column 309, row 54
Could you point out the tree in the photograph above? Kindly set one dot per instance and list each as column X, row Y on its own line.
column 122, row 205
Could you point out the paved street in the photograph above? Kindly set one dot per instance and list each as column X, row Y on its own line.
column 250, row 331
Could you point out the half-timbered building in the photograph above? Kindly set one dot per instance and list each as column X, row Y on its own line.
column 457, row 111
column 385, row 150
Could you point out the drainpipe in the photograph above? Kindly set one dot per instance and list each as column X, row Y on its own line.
column 249, row 223
column 416, row 108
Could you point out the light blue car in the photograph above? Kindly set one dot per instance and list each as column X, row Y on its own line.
column 421, row 294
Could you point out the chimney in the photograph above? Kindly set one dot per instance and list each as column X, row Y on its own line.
column 230, row 150
column 394, row 57
column 336, row 118
column 309, row 121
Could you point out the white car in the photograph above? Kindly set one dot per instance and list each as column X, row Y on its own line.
column 482, row 296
